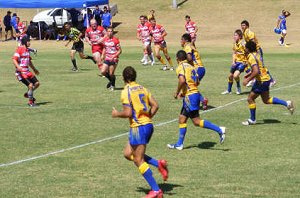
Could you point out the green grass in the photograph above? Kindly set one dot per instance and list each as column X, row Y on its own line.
column 256, row 161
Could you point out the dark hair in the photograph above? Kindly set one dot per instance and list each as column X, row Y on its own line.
column 187, row 37
column 24, row 40
column 181, row 55
column 251, row 46
column 129, row 74
column 245, row 22
column 187, row 17
column 239, row 32
column 67, row 23
column 14, row 14
column 152, row 19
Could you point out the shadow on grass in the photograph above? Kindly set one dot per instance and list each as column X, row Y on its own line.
column 208, row 107
column 182, row 2
column 165, row 187
column 43, row 103
column 245, row 93
column 119, row 88
column 269, row 121
column 206, row 145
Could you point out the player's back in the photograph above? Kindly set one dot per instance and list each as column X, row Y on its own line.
column 138, row 98
column 191, row 78
column 189, row 49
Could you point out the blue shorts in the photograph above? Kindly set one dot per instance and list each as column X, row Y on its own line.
column 237, row 66
column 110, row 63
column 191, row 102
column 260, row 87
column 201, row 72
column 141, row 134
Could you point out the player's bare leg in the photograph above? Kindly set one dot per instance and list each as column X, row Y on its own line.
column 165, row 51
column 97, row 58
column 72, row 56
column 83, row 56
column 236, row 76
column 158, row 56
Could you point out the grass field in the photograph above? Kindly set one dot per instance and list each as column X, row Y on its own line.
column 70, row 146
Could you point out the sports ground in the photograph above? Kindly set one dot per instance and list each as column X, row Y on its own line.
column 70, row 146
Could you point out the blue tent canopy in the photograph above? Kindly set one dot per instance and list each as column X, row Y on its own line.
column 51, row 3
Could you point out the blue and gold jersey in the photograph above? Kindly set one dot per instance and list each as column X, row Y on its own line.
column 189, row 49
column 239, row 51
column 73, row 34
column 191, row 78
column 254, row 60
column 137, row 98
column 249, row 35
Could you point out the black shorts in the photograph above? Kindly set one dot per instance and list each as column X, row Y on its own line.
column 27, row 81
column 110, row 63
column 191, row 114
column 8, row 28
column 78, row 46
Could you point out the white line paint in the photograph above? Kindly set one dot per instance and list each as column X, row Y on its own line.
column 123, row 134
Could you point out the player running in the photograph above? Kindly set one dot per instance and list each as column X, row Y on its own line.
column 187, row 89
column 193, row 58
column 261, row 85
column 22, row 60
column 238, row 62
column 110, row 55
column 191, row 28
column 249, row 35
column 94, row 35
column 75, row 35
column 140, row 107
column 281, row 26
column 143, row 34
column 158, row 34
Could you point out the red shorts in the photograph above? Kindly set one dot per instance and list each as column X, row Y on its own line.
column 97, row 48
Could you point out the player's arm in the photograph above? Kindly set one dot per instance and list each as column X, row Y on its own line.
column 196, row 29
column 254, row 72
column 164, row 33
column 69, row 41
column 119, row 51
column 138, row 35
column 278, row 22
column 15, row 61
column 103, row 54
column 181, row 83
column 154, row 106
column 125, row 113
column 87, row 39
column 233, row 57
column 33, row 68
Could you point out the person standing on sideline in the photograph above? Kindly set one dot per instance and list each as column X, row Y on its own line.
column 140, row 107
column 97, row 14
column 106, row 18
column 187, row 89
column 8, row 27
column 261, row 85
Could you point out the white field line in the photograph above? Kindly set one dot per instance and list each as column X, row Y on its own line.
column 123, row 134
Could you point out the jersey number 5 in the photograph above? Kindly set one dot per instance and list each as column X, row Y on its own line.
column 142, row 96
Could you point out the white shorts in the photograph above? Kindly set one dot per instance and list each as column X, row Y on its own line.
column 283, row 31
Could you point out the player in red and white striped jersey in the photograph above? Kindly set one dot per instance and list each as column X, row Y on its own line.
column 191, row 28
column 94, row 35
column 110, row 55
column 143, row 34
column 22, row 62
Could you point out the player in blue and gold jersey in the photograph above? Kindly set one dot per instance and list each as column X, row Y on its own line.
column 193, row 57
column 187, row 89
column 261, row 85
column 251, row 36
column 140, row 106
column 238, row 62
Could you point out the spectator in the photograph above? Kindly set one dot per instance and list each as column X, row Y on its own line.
column 32, row 30
column 74, row 16
column 7, row 25
column 0, row 30
column 151, row 15
column 50, row 32
column 14, row 23
column 97, row 14
column 86, row 19
column 106, row 18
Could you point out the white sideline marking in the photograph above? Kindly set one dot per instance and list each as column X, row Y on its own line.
column 123, row 134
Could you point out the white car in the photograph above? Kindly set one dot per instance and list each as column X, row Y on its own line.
column 61, row 15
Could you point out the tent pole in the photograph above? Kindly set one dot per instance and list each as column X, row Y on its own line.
column 40, row 35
